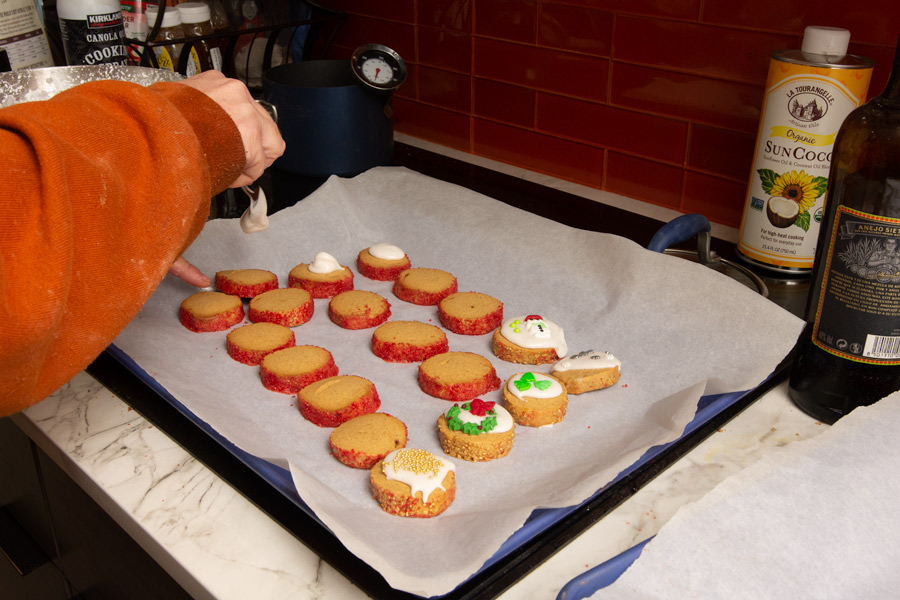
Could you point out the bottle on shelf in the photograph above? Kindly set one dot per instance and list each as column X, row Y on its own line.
column 205, row 54
column 93, row 32
column 849, row 353
column 167, row 55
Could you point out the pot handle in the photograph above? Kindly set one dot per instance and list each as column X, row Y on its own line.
column 684, row 228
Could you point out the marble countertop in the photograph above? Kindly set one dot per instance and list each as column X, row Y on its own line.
column 217, row 544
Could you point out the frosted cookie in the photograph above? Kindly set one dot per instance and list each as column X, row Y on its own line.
column 408, row 341
column 329, row 402
column 246, row 283
column 249, row 344
column 210, row 311
column 382, row 262
column 289, row 370
column 288, row 306
column 476, row 431
column 470, row 313
column 424, row 286
column 358, row 309
column 530, row 340
column 535, row 399
column 413, row 483
column 364, row 440
column 587, row 371
column 457, row 376
column 323, row 278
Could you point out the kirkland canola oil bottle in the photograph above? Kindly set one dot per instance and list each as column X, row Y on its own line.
column 809, row 92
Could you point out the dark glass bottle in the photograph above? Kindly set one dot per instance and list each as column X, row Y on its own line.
column 849, row 352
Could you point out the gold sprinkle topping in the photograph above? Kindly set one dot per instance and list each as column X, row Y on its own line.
column 420, row 462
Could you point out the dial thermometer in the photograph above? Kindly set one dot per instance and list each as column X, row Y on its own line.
column 378, row 67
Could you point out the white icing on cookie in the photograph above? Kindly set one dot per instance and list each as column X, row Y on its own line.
column 504, row 419
column 421, row 470
column 324, row 263
column 587, row 360
column 530, row 384
column 386, row 252
column 535, row 332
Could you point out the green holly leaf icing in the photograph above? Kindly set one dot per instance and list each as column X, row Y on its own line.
column 543, row 384
column 522, row 385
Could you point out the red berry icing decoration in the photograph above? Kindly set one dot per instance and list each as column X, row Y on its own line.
column 479, row 407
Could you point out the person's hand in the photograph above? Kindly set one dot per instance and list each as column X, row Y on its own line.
column 187, row 272
column 262, row 141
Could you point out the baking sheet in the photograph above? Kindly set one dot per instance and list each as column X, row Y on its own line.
column 680, row 330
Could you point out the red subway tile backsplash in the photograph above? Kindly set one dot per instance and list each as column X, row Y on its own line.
column 658, row 101
column 537, row 152
column 612, row 127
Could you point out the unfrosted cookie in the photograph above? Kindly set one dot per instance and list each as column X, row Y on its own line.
column 408, row 341
column 364, row 440
column 246, row 283
column 323, row 278
column 476, row 430
column 358, row 309
column 249, row 344
column 587, row 371
column 329, row 402
column 424, row 286
column 457, row 376
column 470, row 313
column 382, row 262
column 535, row 399
column 530, row 340
column 287, row 306
column 289, row 370
column 210, row 311
column 413, row 483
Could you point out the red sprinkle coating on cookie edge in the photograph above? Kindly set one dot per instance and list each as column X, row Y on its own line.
column 220, row 322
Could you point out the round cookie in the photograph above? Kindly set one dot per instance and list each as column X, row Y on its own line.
column 382, row 262
column 364, row 440
column 331, row 401
column 286, row 306
column 587, row 371
column 210, row 311
column 413, row 483
column 323, row 278
column 408, row 341
column 246, row 283
column 535, row 399
column 423, row 286
column 249, row 344
column 470, row 313
column 358, row 309
column 530, row 340
column 457, row 376
column 289, row 370
column 476, row 431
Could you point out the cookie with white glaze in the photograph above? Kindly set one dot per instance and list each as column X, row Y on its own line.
column 587, row 371
column 530, row 340
column 535, row 399
column 476, row 431
column 382, row 262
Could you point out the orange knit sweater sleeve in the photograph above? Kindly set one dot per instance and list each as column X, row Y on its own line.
column 101, row 188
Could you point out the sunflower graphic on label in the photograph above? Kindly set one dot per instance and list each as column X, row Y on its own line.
column 791, row 195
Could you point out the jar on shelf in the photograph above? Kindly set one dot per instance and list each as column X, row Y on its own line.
column 205, row 54
column 171, row 29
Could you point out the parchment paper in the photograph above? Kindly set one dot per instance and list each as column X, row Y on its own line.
column 680, row 330
column 814, row 519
